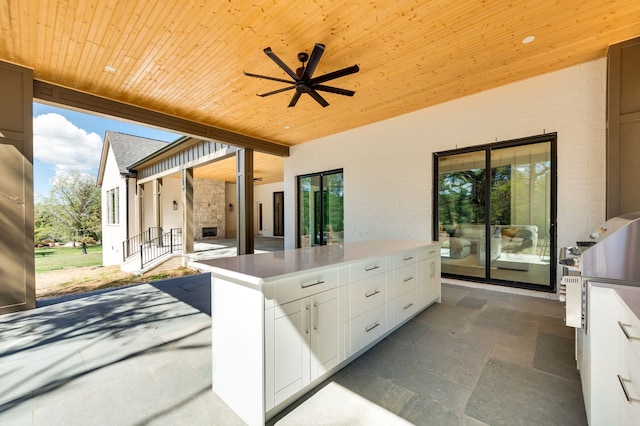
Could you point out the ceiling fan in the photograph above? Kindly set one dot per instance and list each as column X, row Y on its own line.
column 303, row 80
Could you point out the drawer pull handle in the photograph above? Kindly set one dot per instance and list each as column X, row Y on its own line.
column 407, row 258
column 311, row 284
column 407, row 306
column 432, row 252
column 373, row 293
column 371, row 327
column 371, row 268
column 624, row 389
column 406, row 280
column 624, row 326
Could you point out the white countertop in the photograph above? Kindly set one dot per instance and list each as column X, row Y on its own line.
column 629, row 294
column 259, row 268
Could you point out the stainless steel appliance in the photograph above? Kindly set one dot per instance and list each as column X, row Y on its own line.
column 611, row 257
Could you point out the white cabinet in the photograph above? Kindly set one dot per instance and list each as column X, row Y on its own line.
column 282, row 322
column 611, row 385
column 302, row 341
column 366, row 307
column 406, row 277
column 430, row 290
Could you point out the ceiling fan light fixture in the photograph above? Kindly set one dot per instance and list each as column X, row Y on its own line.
column 302, row 80
column 528, row 39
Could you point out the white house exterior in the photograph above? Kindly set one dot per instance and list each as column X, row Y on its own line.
column 143, row 197
column 118, row 188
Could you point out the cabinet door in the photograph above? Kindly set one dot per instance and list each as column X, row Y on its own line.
column 604, row 364
column 325, row 334
column 291, row 362
column 430, row 278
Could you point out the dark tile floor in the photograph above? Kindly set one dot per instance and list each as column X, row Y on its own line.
column 479, row 357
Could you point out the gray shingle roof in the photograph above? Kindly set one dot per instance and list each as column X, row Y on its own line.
column 129, row 149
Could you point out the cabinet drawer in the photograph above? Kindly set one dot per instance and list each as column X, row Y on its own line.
column 367, row 294
column 368, row 268
column 406, row 258
column 303, row 285
column 431, row 251
column 404, row 306
column 368, row 327
column 404, row 279
column 630, row 328
column 629, row 381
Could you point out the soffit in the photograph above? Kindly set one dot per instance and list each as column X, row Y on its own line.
column 185, row 58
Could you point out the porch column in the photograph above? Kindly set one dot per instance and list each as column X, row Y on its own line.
column 157, row 192
column 17, row 270
column 138, row 217
column 187, row 210
column 244, row 200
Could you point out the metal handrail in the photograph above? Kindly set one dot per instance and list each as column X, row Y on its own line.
column 167, row 242
column 133, row 245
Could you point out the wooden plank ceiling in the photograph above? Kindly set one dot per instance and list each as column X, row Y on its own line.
column 186, row 57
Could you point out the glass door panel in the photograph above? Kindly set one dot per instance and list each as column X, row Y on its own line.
column 309, row 196
column 333, row 190
column 521, row 213
column 461, row 213
column 321, row 209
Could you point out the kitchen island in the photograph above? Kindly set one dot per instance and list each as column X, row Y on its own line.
column 284, row 321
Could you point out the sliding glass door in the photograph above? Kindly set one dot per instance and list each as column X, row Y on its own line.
column 495, row 212
column 321, row 209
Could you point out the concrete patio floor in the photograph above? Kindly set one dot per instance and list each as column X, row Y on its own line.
column 141, row 355
column 132, row 356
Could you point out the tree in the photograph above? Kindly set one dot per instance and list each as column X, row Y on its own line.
column 73, row 206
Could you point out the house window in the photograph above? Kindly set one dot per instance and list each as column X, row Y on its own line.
column 113, row 206
column 495, row 212
column 321, row 209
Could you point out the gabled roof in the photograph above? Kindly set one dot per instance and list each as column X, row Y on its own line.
column 127, row 149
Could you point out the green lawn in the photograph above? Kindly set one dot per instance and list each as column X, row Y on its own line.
column 50, row 259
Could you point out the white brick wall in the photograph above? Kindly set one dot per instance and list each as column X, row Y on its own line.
column 388, row 165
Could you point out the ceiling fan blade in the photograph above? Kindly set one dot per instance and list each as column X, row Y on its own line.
column 315, row 95
column 277, row 91
column 266, row 77
column 281, row 64
column 334, row 90
column 294, row 99
column 314, row 59
column 335, row 74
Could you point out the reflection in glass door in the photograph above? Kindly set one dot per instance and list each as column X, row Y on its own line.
column 321, row 209
column 506, row 236
column 461, row 213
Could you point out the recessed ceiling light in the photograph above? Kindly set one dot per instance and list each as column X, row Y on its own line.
column 528, row 39
column 287, row 127
column 109, row 68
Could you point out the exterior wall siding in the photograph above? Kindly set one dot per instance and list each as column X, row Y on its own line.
column 202, row 150
column 113, row 235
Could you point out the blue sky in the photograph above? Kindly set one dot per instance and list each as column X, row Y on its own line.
column 65, row 140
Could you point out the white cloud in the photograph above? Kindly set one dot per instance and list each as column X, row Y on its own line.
column 59, row 142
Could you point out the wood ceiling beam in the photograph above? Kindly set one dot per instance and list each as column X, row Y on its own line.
column 56, row 94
